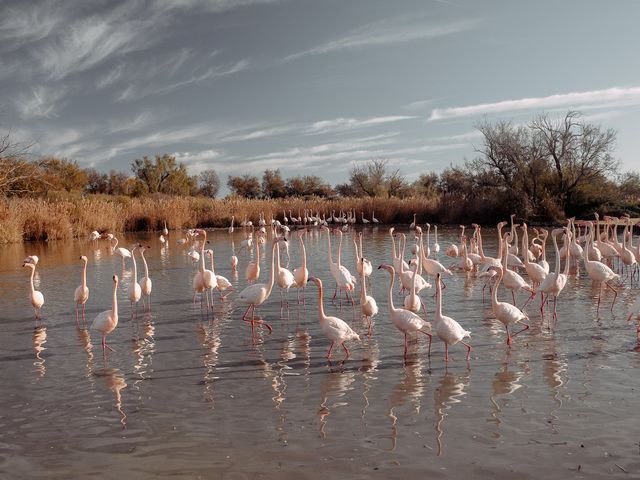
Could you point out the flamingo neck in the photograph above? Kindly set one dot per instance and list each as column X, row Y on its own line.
column 494, row 293
column 525, row 246
column 272, row 276
column 329, row 247
column 393, row 246
column 390, row 293
column 557, row 250
column 203, row 266
column 135, row 268
column 479, row 242
column 500, row 247
column 115, row 245
column 33, row 272
column 321, row 313
column 144, row 262
column 339, row 249
column 438, row 315
column 566, row 265
column 304, row 253
column 212, row 267
column 114, row 304
column 84, row 276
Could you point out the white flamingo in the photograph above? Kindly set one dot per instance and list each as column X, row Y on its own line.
column 446, row 328
column 334, row 328
column 107, row 321
column 37, row 298
column 505, row 312
column 404, row 320
column 145, row 282
column 81, row 295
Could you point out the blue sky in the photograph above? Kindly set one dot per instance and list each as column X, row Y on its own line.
column 308, row 86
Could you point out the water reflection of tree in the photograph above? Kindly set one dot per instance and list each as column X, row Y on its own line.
column 408, row 390
column 39, row 339
column 334, row 385
column 447, row 394
column 113, row 380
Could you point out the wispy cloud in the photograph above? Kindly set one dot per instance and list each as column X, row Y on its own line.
column 606, row 97
column 338, row 124
column 387, row 32
column 215, row 71
column 28, row 23
column 40, row 102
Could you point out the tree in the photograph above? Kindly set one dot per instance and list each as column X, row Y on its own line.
column 117, row 183
column 308, row 185
column 372, row 179
column 578, row 151
column 246, row 185
column 18, row 176
column 97, row 182
column 629, row 186
column 163, row 175
column 273, row 185
column 426, row 185
column 63, row 174
column 209, row 183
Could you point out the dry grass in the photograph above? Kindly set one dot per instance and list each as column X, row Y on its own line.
column 70, row 216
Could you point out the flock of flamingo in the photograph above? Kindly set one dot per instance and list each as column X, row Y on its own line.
column 609, row 260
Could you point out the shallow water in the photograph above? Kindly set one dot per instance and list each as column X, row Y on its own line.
column 188, row 396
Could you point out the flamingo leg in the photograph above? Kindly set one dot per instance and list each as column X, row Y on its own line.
column 84, row 319
column 513, row 297
column 77, row 324
column 346, row 351
column 330, row 348
column 526, row 327
column 508, row 335
column 405, row 346
column 446, row 352
column 615, row 294
column 468, row 349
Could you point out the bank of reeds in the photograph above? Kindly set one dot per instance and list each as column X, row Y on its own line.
column 60, row 218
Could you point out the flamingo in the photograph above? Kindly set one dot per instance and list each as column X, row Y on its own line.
column 81, row 295
column 284, row 277
column 598, row 271
column 406, row 274
column 344, row 279
column 373, row 217
column 301, row 274
column 121, row 251
column 446, row 328
column 94, row 236
column 165, row 230
column 534, row 270
column 398, row 262
column 34, row 259
column 505, row 312
column 222, row 283
column 209, row 279
column 107, row 321
column 233, row 219
column 258, row 293
column 436, row 245
column 334, row 328
column 412, row 225
column 555, row 281
column 145, row 282
column 37, row 298
column 430, row 266
column 405, row 320
column 368, row 305
column 412, row 302
column 512, row 280
column 252, row 270
column 134, row 291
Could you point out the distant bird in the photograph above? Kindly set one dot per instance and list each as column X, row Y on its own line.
column 135, row 291
column 94, row 236
column 81, row 294
column 334, row 328
column 165, row 230
column 107, row 321
column 37, row 298
column 373, row 217
column 368, row 305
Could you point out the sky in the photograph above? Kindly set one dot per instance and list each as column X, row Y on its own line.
column 309, row 86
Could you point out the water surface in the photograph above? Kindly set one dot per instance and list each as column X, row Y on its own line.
column 188, row 395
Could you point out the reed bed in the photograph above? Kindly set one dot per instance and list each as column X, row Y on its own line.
column 24, row 219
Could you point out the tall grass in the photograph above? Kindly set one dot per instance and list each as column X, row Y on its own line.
column 65, row 217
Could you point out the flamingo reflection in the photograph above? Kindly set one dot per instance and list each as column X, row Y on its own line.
column 113, row 380
column 408, row 390
column 504, row 384
column 39, row 339
column 334, row 384
column 445, row 396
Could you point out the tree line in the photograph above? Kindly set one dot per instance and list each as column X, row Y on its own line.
column 546, row 169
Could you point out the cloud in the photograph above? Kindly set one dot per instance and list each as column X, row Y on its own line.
column 338, row 124
column 215, row 71
column 593, row 98
column 387, row 32
column 40, row 102
column 28, row 23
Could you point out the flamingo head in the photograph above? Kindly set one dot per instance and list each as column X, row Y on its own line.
column 115, row 279
column 83, row 258
column 29, row 264
column 388, row 268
